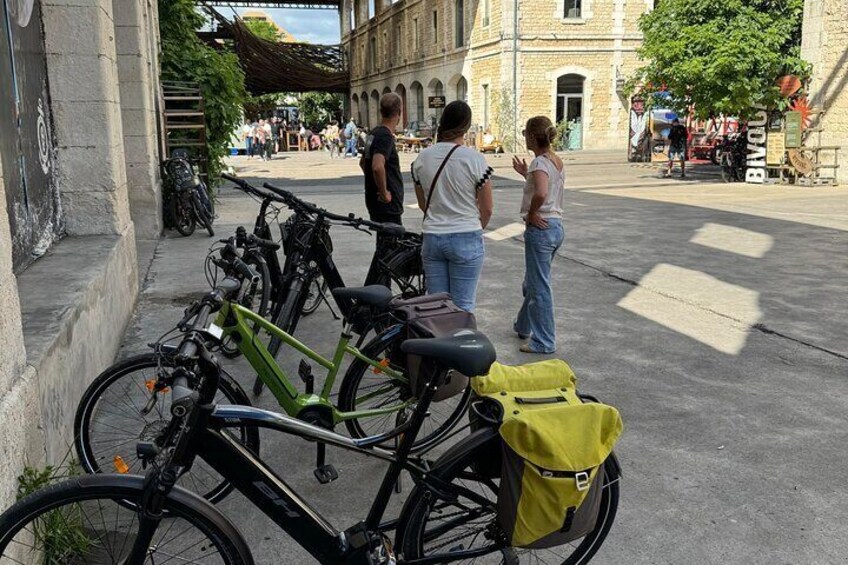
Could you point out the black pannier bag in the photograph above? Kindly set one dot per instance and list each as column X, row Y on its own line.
column 433, row 315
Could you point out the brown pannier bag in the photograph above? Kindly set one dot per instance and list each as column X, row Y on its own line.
column 433, row 315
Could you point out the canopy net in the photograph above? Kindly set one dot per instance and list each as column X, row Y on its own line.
column 271, row 67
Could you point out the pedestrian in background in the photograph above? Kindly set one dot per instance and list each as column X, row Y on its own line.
column 453, row 187
column 269, row 141
column 541, row 209
column 677, row 138
column 248, row 139
column 350, row 138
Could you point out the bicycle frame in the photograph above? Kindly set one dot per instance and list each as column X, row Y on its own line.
column 271, row 494
column 242, row 325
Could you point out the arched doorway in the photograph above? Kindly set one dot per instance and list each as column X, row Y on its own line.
column 375, row 109
column 569, row 107
column 437, row 88
column 400, row 90
column 364, row 110
column 418, row 94
column 462, row 89
column 354, row 108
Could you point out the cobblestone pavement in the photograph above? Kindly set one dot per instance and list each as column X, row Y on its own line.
column 711, row 315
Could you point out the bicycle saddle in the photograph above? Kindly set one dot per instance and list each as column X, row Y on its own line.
column 395, row 230
column 467, row 351
column 372, row 295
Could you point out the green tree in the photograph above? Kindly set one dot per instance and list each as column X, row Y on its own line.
column 319, row 108
column 185, row 58
column 720, row 56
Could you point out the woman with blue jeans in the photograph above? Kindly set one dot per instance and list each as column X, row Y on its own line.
column 541, row 208
column 454, row 192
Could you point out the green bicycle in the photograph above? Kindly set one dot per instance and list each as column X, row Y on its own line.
column 129, row 402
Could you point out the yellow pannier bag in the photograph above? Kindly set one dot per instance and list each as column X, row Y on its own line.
column 553, row 452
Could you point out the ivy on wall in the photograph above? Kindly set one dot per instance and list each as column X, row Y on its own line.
column 185, row 58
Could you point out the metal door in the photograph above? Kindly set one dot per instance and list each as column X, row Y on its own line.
column 27, row 147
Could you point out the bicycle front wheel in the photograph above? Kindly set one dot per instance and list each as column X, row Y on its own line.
column 125, row 405
column 431, row 526
column 95, row 520
column 367, row 388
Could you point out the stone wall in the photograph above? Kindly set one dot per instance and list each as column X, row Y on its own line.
column 138, row 77
column 64, row 316
column 825, row 45
column 600, row 46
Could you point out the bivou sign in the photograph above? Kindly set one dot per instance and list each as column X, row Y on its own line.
column 756, row 170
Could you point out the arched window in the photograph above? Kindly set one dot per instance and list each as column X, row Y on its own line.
column 462, row 89
column 354, row 108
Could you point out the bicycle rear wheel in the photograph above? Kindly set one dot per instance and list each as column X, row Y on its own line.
column 364, row 388
column 111, row 420
column 431, row 526
column 95, row 520
column 257, row 298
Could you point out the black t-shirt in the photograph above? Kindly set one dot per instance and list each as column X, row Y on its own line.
column 381, row 140
column 677, row 136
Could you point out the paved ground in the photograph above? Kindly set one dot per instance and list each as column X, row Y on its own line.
column 711, row 315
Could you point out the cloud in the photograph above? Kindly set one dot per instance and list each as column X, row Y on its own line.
column 313, row 26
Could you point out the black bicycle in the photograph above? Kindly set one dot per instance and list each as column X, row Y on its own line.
column 450, row 515
column 733, row 157
column 188, row 197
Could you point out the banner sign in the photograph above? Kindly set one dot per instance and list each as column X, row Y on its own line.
column 793, row 129
column 756, row 171
column 436, row 101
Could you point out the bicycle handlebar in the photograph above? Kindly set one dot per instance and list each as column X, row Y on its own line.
column 350, row 219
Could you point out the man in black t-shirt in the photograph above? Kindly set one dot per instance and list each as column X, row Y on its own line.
column 381, row 165
column 677, row 138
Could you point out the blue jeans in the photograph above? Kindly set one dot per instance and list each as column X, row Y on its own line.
column 350, row 147
column 536, row 317
column 452, row 263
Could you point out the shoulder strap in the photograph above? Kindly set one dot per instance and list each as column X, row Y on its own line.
column 436, row 178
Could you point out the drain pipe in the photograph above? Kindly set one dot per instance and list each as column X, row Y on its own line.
column 515, row 73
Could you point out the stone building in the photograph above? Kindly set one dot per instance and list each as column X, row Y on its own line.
column 824, row 44
column 79, row 176
column 509, row 59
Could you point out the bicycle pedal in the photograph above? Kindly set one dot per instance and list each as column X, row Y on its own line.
column 326, row 474
column 304, row 371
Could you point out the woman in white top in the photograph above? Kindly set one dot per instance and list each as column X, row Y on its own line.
column 541, row 209
column 454, row 192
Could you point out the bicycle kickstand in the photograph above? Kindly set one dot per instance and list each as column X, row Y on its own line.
column 323, row 472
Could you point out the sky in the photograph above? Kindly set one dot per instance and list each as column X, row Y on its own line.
column 313, row 26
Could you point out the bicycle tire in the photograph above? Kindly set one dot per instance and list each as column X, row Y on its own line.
column 262, row 290
column 387, row 344
column 180, row 213
column 202, row 214
column 124, row 492
column 405, row 271
column 286, row 319
column 88, row 456
column 457, row 464
column 317, row 290
column 727, row 172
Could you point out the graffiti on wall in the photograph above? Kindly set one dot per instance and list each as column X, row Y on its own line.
column 29, row 154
